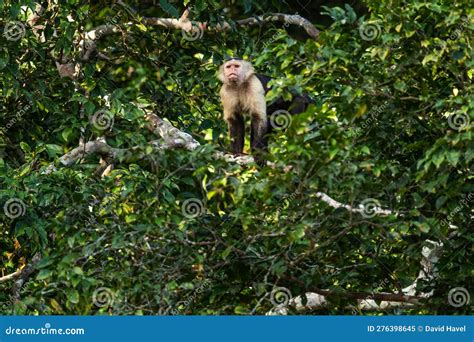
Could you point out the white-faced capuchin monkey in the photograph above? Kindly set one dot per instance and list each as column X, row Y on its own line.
column 243, row 92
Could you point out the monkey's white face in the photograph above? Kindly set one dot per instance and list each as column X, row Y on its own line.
column 233, row 71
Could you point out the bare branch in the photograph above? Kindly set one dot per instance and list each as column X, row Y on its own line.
column 89, row 43
column 101, row 148
column 24, row 275
column 316, row 298
column 286, row 19
column 172, row 136
column 10, row 276
column 361, row 209
column 80, row 152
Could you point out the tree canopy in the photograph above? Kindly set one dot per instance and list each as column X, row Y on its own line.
column 118, row 196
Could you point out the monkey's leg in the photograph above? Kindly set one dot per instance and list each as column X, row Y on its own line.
column 259, row 138
column 237, row 133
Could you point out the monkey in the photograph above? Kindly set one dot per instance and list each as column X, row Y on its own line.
column 243, row 92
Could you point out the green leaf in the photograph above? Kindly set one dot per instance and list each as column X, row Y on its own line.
column 25, row 170
column 311, row 135
column 438, row 160
column 4, row 59
column 131, row 218
column 430, row 58
column 44, row 274
column 66, row 133
column 400, row 85
column 168, row 8
column 453, row 157
column 25, row 147
column 440, row 201
column 247, row 5
column 241, row 310
column 72, row 296
column 298, row 233
column 53, row 150
column 141, row 27
column 77, row 270
column 226, row 252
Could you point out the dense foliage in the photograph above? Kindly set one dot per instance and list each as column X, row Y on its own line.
column 182, row 232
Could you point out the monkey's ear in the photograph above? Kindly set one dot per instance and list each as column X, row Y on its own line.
column 220, row 74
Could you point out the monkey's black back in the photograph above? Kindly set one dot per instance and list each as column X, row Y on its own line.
column 297, row 105
column 264, row 80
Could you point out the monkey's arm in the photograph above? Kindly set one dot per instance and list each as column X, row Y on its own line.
column 236, row 132
column 258, row 134
column 234, row 120
column 259, row 121
column 259, row 140
column 264, row 81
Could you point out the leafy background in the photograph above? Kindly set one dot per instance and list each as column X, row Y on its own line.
column 392, row 83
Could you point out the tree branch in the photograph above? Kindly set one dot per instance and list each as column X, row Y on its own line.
column 24, row 275
column 89, row 43
column 374, row 210
column 109, row 153
column 10, row 276
column 174, row 138
column 288, row 19
column 316, row 298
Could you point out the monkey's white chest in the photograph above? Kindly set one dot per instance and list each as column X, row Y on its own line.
column 247, row 100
